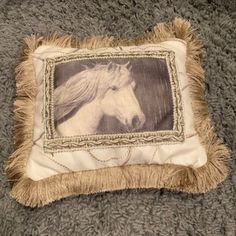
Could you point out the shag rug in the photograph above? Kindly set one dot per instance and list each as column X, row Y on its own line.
column 128, row 212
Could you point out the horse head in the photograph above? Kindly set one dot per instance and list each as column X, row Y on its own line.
column 119, row 100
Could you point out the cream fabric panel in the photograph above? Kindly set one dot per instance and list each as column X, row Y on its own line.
column 189, row 153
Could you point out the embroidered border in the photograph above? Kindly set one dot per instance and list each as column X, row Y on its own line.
column 57, row 144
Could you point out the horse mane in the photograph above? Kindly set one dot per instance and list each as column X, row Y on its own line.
column 81, row 88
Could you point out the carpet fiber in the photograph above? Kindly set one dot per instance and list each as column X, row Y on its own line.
column 128, row 212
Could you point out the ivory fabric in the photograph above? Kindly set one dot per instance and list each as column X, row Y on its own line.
column 191, row 153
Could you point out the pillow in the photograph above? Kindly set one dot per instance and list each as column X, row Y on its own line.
column 103, row 114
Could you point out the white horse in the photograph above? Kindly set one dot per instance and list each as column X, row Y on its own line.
column 93, row 93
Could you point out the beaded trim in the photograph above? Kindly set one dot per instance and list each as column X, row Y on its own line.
column 52, row 143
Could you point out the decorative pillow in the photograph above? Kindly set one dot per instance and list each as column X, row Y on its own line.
column 104, row 114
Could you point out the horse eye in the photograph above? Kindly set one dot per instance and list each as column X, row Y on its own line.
column 114, row 88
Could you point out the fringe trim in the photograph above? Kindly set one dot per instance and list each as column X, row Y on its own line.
column 38, row 193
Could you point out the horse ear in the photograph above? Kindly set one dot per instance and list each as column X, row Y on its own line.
column 109, row 65
column 85, row 67
column 128, row 65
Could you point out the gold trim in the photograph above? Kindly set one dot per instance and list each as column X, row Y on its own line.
column 52, row 143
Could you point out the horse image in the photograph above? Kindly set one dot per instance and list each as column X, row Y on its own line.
column 94, row 92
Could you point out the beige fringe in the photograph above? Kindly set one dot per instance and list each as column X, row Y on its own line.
column 38, row 193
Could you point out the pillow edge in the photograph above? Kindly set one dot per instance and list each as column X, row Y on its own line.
column 205, row 177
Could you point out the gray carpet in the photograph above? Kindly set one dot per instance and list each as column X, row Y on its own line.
column 129, row 212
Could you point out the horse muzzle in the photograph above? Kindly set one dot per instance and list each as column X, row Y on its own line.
column 136, row 122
